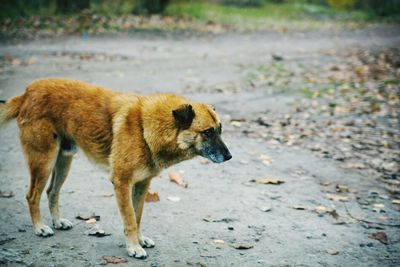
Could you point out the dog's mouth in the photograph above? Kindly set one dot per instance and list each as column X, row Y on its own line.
column 218, row 157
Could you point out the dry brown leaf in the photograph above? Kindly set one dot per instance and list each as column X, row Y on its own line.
column 325, row 183
column 265, row 208
column 152, row 197
column 236, row 123
column 113, row 260
column 380, row 236
column 379, row 205
column 241, row 245
column 31, row 60
column 16, row 62
column 87, row 216
column 324, row 210
column 107, row 195
column 321, row 209
column 176, row 178
column 396, row 201
column 356, row 165
column 226, row 220
column 338, row 198
column 332, row 252
column 91, row 221
column 174, row 199
column 97, row 231
column 299, row 207
column 6, row 194
column 268, row 180
column 342, row 189
column 265, row 159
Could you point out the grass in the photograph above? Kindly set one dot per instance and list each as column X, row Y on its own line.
column 223, row 14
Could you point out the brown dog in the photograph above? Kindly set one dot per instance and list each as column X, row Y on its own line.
column 137, row 136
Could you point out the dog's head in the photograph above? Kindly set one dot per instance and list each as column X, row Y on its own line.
column 199, row 131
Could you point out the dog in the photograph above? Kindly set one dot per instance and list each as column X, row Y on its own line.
column 136, row 136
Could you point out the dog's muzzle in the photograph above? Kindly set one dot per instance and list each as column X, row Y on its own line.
column 216, row 152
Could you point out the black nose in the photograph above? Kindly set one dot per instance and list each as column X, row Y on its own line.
column 227, row 156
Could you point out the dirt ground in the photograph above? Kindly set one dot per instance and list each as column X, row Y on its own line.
column 289, row 224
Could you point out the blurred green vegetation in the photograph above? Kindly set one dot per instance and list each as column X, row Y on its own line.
column 223, row 11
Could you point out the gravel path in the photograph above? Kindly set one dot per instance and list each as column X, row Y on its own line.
column 289, row 224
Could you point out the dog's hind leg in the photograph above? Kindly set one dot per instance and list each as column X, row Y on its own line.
column 138, row 197
column 58, row 177
column 41, row 147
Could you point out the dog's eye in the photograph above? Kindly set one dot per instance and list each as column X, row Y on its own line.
column 209, row 132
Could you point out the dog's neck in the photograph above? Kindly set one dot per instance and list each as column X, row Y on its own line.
column 160, row 132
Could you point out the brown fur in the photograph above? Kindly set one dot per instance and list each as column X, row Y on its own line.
column 137, row 136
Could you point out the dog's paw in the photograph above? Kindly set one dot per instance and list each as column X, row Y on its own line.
column 146, row 242
column 43, row 230
column 62, row 224
column 137, row 252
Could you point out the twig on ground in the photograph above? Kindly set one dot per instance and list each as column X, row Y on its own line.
column 366, row 221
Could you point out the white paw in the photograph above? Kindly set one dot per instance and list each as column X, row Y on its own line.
column 137, row 252
column 43, row 230
column 62, row 224
column 146, row 242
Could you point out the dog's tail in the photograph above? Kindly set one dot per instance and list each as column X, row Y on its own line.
column 10, row 109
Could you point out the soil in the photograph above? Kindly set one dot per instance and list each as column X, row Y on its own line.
column 279, row 224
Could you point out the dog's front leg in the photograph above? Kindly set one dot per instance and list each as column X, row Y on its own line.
column 123, row 194
column 138, row 197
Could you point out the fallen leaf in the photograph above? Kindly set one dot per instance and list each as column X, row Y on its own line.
column 152, row 197
column 334, row 214
column 337, row 198
column 396, row 201
column 174, row 199
column 277, row 57
column 242, row 245
column 91, row 221
column 96, row 231
column 321, row 209
column 335, row 68
column 325, row 183
column 299, row 207
column 207, row 255
column 356, row 165
column 265, row 208
column 107, row 195
column 268, row 180
column 332, row 252
column 87, row 216
column 341, row 189
column 197, row 264
column 176, row 178
column 324, row 210
column 380, row 236
column 16, row 62
column 236, row 123
column 227, row 220
column 31, row 60
column 113, row 260
column 379, row 206
column 265, row 159
column 6, row 194
column 373, row 226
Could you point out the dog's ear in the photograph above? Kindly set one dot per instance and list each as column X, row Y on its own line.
column 184, row 116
